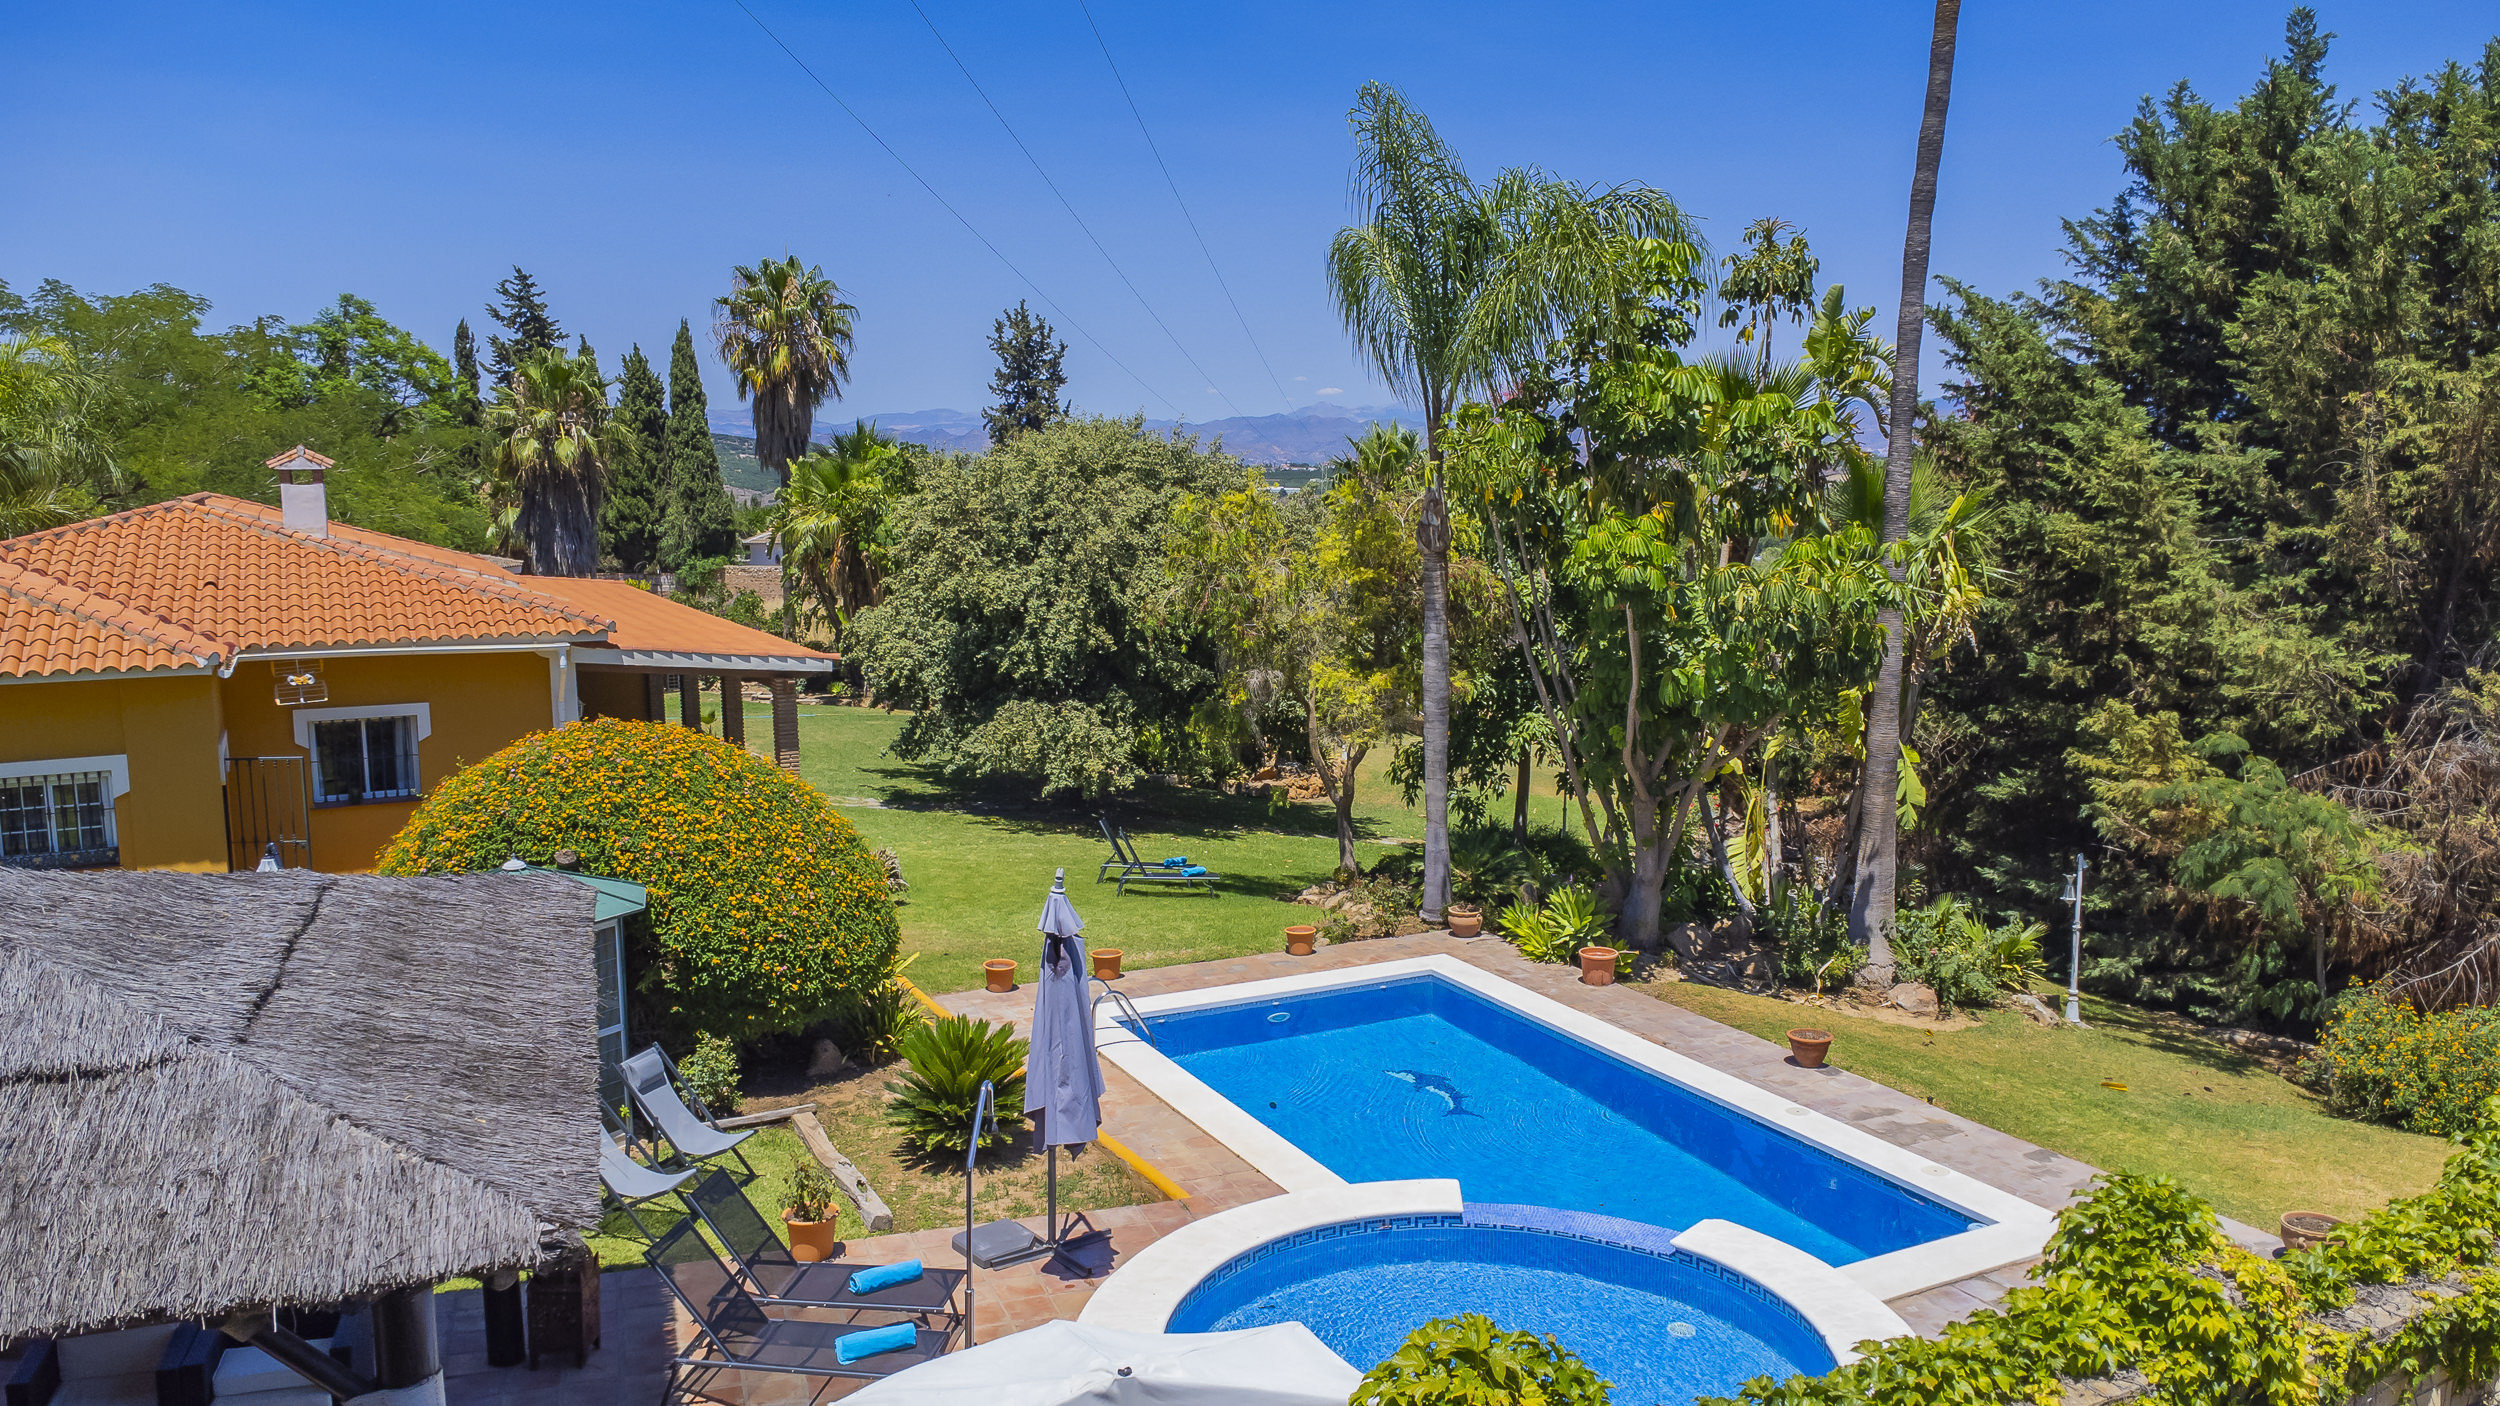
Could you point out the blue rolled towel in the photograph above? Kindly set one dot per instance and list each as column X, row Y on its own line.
column 1196, row 871
column 850, row 1347
column 884, row 1276
column 1178, row 861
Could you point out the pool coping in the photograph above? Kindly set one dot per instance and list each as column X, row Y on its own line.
column 2017, row 1229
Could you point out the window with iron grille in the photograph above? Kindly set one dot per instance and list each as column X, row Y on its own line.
column 364, row 759
column 64, row 820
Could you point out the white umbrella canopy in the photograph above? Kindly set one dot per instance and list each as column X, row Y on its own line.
column 1070, row 1364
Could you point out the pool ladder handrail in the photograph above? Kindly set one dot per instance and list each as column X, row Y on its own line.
column 1125, row 1008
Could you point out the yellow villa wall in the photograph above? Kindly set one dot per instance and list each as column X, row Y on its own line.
column 174, row 816
column 479, row 703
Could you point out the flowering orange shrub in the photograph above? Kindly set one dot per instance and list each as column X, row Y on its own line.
column 765, row 906
column 2385, row 1059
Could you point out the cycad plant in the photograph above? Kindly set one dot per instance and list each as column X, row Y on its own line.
column 1568, row 921
column 934, row 1100
column 552, row 439
column 785, row 333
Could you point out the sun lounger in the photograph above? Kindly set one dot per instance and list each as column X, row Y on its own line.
column 769, row 1272
column 631, row 1184
column 654, row 1085
column 735, row 1333
column 1134, row 868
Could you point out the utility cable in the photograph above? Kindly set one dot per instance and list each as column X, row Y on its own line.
column 1070, row 208
column 969, row 227
column 1192, row 220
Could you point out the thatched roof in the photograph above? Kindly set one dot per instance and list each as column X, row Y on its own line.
column 240, row 1089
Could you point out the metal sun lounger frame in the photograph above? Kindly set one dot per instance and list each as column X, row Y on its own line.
column 768, row 1271
column 1125, row 857
column 686, row 1128
column 733, row 1323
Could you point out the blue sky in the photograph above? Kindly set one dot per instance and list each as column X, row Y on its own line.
column 270, row 156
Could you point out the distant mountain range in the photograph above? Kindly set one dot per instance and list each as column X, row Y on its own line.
column 1310, row 435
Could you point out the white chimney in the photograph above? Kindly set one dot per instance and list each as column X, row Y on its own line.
column 302, row 500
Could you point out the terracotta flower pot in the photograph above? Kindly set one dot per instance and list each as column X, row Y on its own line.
column 1301, row 939
column 2306, row 1230
column 1809, row 1047
column 1106, row 963
column 1465, row 921
column 1000, row 973
column 1597, row 966
column 810, row 1240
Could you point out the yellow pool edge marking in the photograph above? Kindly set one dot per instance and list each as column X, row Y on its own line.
column 1154, row 1175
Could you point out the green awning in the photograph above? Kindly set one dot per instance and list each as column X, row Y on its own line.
column 617, row 897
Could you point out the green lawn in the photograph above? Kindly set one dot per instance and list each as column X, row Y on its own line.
column 2231, row 1130
column 979, row 867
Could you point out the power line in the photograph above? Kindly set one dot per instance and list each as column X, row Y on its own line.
column 1071, row 208
column 969, row 227
column 1177, row 200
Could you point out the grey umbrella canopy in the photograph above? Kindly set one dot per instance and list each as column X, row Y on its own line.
column 1063, row 1076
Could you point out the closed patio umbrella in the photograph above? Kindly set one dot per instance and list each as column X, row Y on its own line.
column 1062, row 1074
column 1064, row 1364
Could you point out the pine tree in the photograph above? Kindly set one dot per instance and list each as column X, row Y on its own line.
column 1029, row 375
column 523, row 314
column 701, row 521
column 464, row 363
column 629, row 528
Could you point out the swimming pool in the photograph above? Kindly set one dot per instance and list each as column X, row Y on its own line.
column 1417, row 1075
column 1659, row 1326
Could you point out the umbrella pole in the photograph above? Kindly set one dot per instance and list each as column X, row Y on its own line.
column 1053, row 1221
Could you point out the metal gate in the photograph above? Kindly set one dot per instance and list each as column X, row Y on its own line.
column 268, row 802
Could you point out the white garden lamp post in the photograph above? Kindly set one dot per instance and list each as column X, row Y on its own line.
column 2074, row 961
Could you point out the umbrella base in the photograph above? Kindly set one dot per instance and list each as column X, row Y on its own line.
column 1000, row 1243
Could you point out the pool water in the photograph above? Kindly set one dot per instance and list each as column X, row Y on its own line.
column 1657, row 1329
column 1419, row 1077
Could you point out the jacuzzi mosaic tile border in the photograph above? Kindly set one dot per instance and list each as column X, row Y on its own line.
column 1532, row 1220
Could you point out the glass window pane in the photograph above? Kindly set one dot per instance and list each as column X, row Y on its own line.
column 611, row 998
column 382, row 760
column 339, row 756
column 25, row 822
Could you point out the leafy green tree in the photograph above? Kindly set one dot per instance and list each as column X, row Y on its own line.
column 831, row 523
column 700, row 522
column 1672, row 581
column 1768, row 282
column 1316, row 608
column 637, row 498
column 1028, row 624
column 1446, row 287
column 552, row 441
column 785, row 333
column 1025, row 388
column 464, row 370
column 529, row 327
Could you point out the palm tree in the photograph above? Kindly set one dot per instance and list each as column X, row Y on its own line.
column 551, row 440
column 785, row 333
column 50, row 451
column 1871, row 895
column 827, row 522
column 1448, row 288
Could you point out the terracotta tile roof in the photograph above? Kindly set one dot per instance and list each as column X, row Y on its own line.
column 299, row 452
column 646, row 622
column 213, row 575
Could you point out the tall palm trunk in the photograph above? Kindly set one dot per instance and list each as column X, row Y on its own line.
column 1432, row 535
column 1871, row 896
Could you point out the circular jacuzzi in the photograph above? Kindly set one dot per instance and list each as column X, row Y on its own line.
column 1661, row 1325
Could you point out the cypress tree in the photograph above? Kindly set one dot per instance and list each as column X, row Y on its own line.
column 464, row 365
column 1029, row 375
column 701, row 521
column 629, row 528
column 523, row 314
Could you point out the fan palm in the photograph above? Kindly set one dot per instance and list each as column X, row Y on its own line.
column 551, row 440
column 785, row 333
column 828, row 523
column 48, row 443
column 1447, row 288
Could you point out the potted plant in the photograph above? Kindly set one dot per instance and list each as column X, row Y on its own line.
column 1597, row 966
column 1106, row 963
column 810, row 1214
column 2306, row 1230
column 1466, row 920
column 1300, row 939
column 1809, row 1047
column 999, row 974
